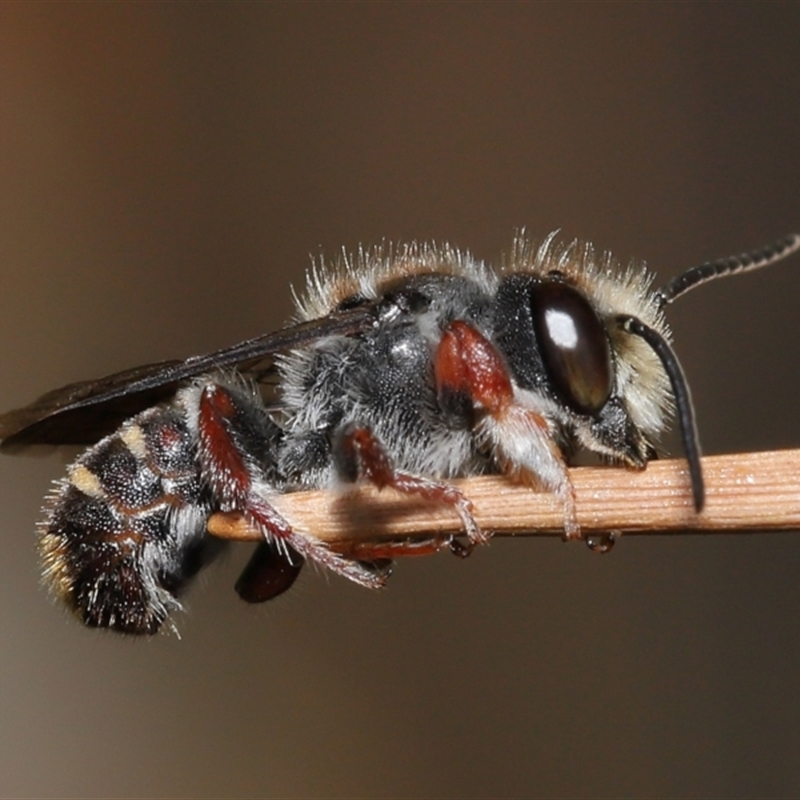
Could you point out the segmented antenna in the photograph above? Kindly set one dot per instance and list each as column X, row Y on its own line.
column 727, row 266
column 683, row 399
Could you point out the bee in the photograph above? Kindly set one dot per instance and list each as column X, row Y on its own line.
column 404, row 367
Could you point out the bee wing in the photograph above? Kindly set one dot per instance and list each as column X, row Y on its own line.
column 82, row 413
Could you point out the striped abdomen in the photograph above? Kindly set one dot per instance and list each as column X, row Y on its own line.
column 126, row 529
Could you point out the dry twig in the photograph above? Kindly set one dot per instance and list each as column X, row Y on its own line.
column 744, row 492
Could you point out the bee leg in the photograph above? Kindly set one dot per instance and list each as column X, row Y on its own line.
column 474, row 387
column 388, row 549
column 234, row 435
column 259, row 512
column 274, row 566
column 523, row 445
column 358, row 453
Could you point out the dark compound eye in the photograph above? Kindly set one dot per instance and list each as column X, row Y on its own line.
column 574, row 345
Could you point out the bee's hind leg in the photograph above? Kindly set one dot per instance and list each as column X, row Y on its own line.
column 236, row 449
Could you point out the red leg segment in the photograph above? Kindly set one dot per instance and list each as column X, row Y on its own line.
column 472, row 379
column 468, row 365
column 360, row 448
column 224, row 429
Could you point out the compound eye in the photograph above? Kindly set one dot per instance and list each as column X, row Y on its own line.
column 574, row 345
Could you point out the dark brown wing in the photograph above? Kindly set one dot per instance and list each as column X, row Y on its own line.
column 82, row 413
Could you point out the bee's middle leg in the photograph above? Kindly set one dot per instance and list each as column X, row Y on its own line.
column 359, row 454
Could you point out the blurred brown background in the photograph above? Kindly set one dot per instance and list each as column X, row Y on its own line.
column 165, row 170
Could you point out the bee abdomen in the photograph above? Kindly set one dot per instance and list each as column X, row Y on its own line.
column 126, row 529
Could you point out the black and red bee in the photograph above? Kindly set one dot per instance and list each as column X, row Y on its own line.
column 405, row 368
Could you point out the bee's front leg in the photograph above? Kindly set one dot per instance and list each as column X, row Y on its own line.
column 473, row 382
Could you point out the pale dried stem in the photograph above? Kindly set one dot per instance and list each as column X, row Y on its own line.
column 744, row 492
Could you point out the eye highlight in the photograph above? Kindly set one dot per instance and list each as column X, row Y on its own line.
column 574, row 345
